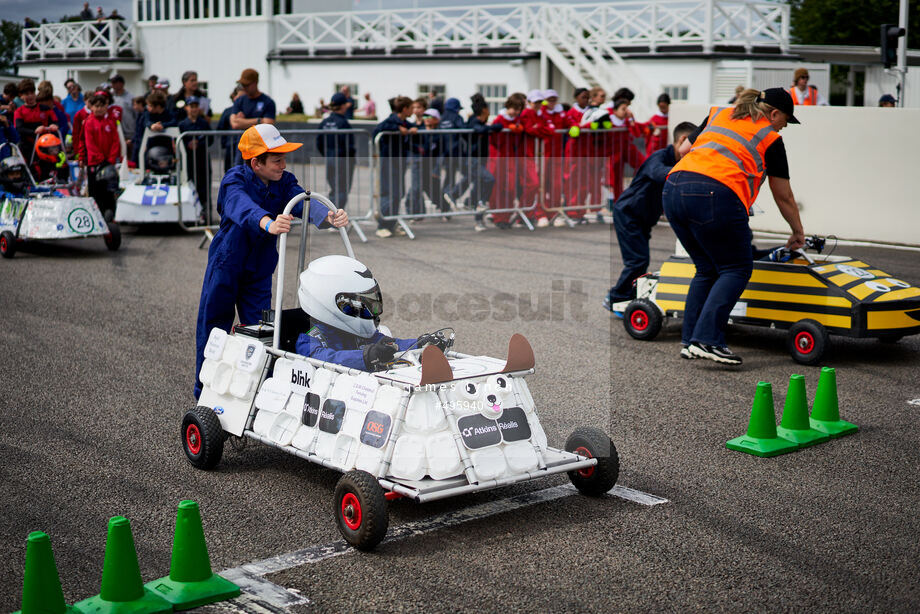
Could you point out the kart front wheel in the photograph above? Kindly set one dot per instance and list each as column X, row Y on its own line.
column 360, row 509
column 807, row 341
column 202, row 438
column 594, row 443
column 113, row 237
column 642, row 319
column 7, row 244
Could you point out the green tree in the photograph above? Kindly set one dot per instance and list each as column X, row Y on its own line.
column 849, row 22
column 10, row 45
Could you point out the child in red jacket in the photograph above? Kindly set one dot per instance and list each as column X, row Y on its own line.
column 534, row 132
column 102, row 149
column 504, row 156
column 586, row 150
column 657, row 127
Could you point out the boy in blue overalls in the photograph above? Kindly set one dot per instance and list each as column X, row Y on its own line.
column 242, row 256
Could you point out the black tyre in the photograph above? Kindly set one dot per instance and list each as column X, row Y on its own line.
column 642, row 319
column 360, row 508
column 594, row 443
column 202, row 438
column 890, row 338
column 113, row 237
column 7, row 244
column 807, row 341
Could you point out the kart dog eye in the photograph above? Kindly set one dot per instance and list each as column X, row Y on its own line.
column 471, row 388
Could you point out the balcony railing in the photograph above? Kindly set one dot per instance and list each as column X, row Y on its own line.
column 111, row 38
column 652, row 25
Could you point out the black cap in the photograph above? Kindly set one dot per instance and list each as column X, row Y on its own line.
column 664, row 98
column 778, row 98
column 887, row 98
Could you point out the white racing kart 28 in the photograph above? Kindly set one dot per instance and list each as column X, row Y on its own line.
column 431, row 427
column 50, row 213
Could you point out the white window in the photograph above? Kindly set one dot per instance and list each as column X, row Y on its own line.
column 495, row 94
column 352, row 87
column 426, row 88
column 678, row 93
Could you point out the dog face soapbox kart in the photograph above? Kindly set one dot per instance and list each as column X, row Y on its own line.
column 810, row 295
column 430, row 427
column 49, row 212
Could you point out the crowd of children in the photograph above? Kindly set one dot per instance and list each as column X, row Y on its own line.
column 537, row 155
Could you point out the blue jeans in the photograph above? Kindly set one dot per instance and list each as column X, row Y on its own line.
column 633, row 239
column 712, row 224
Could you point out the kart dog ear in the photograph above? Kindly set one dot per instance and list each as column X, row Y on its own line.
column 435, row 368
column 520, row 354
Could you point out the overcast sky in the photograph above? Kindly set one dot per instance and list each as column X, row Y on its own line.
column 53, row 10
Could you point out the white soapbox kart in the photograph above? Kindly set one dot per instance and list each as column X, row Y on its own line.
column 430, row 427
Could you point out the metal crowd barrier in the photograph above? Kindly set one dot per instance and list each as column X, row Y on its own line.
column 428, row 175
column 351, row 175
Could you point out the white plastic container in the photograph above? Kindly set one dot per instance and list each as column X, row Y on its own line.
column 489, row 463
column 520, row 456
column 443, row 456
column 410, row 461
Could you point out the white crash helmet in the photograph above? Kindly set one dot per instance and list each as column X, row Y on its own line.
column 341, row 292
column 594, row 115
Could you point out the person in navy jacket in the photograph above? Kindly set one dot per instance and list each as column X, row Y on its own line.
column 339, row 150
column 636, row 212
column 242, row 256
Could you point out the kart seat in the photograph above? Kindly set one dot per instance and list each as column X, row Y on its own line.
column 294, row 322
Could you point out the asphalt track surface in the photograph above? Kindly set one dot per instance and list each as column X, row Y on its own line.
column 96, row 364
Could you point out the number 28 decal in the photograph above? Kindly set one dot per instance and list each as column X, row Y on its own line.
column 80, row 221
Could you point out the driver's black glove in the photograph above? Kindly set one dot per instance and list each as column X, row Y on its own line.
column 436, row 339
column 377, row 355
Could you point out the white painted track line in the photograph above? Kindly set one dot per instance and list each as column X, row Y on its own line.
column 261, row 596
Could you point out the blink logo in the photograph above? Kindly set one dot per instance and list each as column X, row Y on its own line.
column 299, row 378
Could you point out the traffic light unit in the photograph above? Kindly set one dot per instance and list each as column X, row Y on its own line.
column 889, row 45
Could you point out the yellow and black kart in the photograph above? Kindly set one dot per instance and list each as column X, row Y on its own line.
column 810, row 295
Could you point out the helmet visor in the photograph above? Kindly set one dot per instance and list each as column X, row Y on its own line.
column 366, row 305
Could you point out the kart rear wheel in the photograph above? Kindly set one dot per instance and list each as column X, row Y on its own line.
column 360, row 509
column 594, row 443
column 113, row 237
column 202, row 438
column 890, row 338
column 807, row 341
column 7, row 244
column 642, row 319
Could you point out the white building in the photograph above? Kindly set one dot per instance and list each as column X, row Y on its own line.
column 696, row 50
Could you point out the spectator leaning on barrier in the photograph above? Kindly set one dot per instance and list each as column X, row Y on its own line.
column 339, row 150
column 529, row 173
column 414, row 194
column 481, row 179
column 393, row 148
column 455, row 177
column 243, row 254
column 802, row 93
column 636, row 212
column 552, row 119
column 431, row 152
column 196, row 150
column 86, row 14
column 504, row 160
column 707, row 198
column 252, row 109
column 151, row 84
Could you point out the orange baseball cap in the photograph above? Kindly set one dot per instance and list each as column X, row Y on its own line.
column 264, row 138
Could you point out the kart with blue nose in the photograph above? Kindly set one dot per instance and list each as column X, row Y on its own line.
column 431, row 424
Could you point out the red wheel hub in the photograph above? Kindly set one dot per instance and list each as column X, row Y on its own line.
column 804, row 342
column 587, row 472
column 351, row 511
column 193, row 439
column 639, row 319
column 3, row 245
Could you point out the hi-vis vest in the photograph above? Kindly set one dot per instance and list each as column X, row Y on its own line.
column 731, row 151
column 811, row 97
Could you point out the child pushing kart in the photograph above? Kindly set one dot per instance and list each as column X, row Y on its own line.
column 344, row 303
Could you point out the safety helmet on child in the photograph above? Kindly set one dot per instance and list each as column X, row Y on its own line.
column 341, row 292
column 108, row 175
column 48, row 148
column 13, row 176
column 595, row 115
column 159, row 160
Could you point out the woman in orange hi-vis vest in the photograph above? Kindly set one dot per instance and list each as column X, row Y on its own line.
column 707, row 199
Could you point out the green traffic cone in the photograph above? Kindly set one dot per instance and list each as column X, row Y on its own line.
column 190, row 582
column 761, row 438
column 123, row 590
column 794, row 425
column 41, row 586
column 825, row 413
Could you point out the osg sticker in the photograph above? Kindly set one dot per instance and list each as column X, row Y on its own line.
column 376, row 429
column 80, row 221
column 855, row 271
